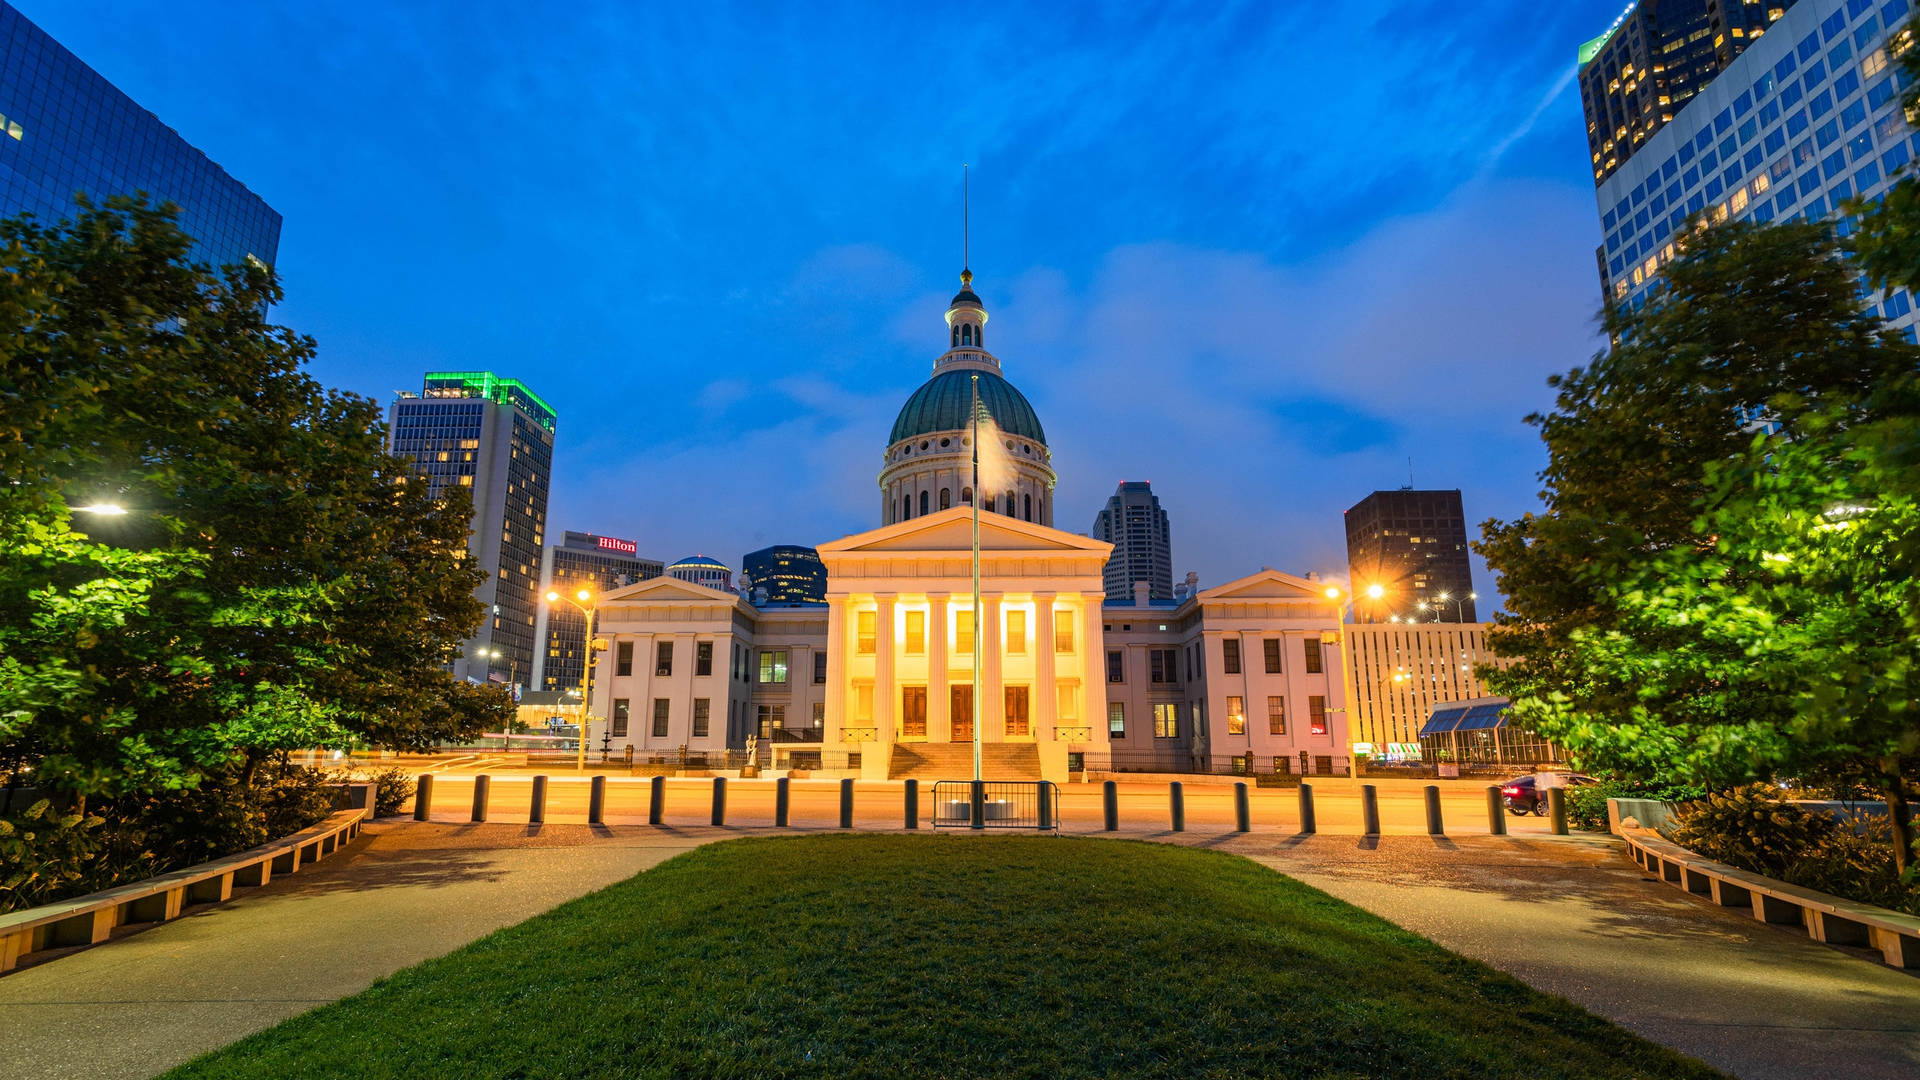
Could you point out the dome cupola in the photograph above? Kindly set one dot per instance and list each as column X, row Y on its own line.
column 929, row 466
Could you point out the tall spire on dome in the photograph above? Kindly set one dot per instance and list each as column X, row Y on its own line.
column 966, row 315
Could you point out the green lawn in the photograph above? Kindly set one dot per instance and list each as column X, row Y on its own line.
column 848, row 955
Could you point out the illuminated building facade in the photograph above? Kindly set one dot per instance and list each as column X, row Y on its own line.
column 1413, row 544
column 1654, row 58
column 64, row 129
column 1402, row 670
column 703, row 570
column 494, row 437
column 580, row 560
column 879, row 682
column 1803, row 119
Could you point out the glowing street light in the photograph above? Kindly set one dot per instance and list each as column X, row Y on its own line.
column 583, row 600
column 102, row 509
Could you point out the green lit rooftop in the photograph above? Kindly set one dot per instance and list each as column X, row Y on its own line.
column 494, row 388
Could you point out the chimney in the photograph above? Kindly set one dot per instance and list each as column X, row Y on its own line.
column 1141, row 590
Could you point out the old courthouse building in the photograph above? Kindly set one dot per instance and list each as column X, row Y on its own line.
column 879, row 681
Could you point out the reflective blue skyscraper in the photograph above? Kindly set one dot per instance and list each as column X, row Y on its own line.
column 64, row 129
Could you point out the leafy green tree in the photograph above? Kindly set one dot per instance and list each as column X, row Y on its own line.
column 284, row 584
column 1754, row 324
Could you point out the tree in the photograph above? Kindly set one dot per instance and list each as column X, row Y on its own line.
column 1754, row 326
column 289, row 586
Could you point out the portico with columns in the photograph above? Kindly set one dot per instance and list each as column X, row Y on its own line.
column 901, row 622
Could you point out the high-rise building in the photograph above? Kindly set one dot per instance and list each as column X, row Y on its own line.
column 1654, row 58
column 1413, row 544
column 580, row 560
column 65, row 130
column 493, row 436
column 703, row 570
column 784, row 574
column 1804, row 118
column 1136, row 526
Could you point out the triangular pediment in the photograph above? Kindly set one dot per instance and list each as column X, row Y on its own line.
column 666, row 588
column 1268, row 584
column 952, row 530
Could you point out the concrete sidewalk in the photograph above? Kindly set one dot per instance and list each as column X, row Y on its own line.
column 399, row 895
column 1571, row 916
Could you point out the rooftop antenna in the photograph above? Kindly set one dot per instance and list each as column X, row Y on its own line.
column 966, row 221
column 1409, row 473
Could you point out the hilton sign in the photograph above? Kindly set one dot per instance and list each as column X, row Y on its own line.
column 625, row 547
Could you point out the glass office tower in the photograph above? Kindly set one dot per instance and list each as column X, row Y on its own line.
column 1806, row 117
column 65, row 129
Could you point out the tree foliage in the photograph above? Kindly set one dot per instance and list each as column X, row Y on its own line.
column 1655, row 628
column 276, row 582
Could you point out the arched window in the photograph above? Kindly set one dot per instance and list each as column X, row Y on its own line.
column 966, row 496
column 988, row 505
column 966, row 335
column 923, row 504
column 980, row 337
column 906, row 507
column 1028, row 501
column 956, row 335
column 946, row 498
column 1010, row 504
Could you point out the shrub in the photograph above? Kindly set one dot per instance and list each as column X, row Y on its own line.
column 1587, row 805
column 395, row 791
column 1753, row 827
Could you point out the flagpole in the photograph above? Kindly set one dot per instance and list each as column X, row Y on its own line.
column 978, row 627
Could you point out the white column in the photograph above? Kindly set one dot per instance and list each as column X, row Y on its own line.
column 939, row 699
column 886, row 642
column 836, row 670
column 1093, row 677
column 993, row 704
column 1045, row 708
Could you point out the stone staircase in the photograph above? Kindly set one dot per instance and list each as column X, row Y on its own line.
column 928, row 762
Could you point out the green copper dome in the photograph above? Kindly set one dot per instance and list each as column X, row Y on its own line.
column 941, row 405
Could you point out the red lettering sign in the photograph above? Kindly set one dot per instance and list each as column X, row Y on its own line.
column 625, row 547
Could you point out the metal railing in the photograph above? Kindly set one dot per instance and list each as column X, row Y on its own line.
column 996, row 804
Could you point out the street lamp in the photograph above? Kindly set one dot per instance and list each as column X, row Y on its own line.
column 584, row 601
column 102, row 509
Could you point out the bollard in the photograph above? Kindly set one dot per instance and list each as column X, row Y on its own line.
column 1434, row 827
column 1242, row 813
column 656, row 800
column 537, row 811
column 846, row 803
column 597, row 800
column 913, row 803
column 1177, row 803
column 1557, row 809
column 423, row 798
column 978, row 800
column 480, row 785
column 1369, row 810
column 719, row 800
column 1306, row 808
column 781, row 803
column 1046, row 806
column 1110, row 798
column 1496, row 813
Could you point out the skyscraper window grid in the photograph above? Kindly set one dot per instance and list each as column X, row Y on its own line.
column 1805, row 118
column 68, row 130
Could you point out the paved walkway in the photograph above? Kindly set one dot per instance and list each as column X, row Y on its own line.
column 1569, row 916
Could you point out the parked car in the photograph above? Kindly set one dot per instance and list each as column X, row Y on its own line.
column 1525, row 794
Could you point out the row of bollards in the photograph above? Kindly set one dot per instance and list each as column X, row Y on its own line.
column 1110, row 805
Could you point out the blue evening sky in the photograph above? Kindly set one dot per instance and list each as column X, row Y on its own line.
column 1260, row 254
